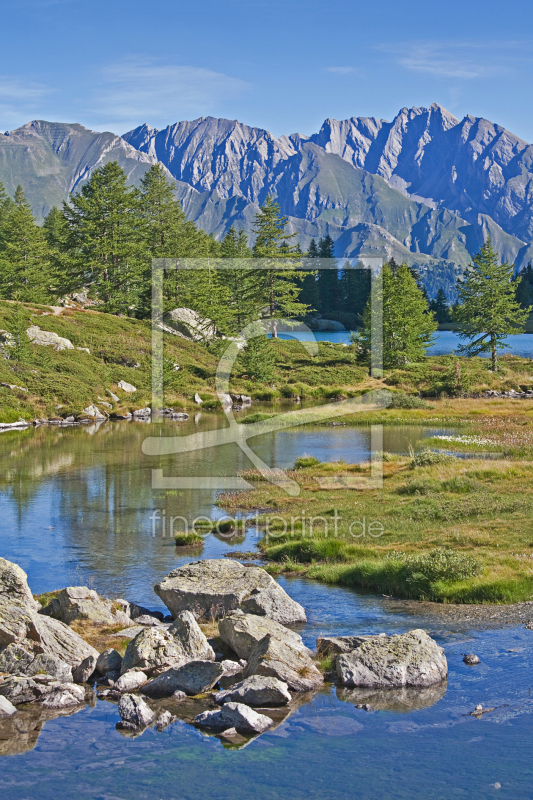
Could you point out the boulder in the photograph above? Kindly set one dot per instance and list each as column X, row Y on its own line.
column 84, row 670
column 242, row 632
column 197, row 399
column 334, row 645
column 21, row 689
column 153, row 650
column 135, row 711
column 234, row 715
column 190, row 324
column 192, row 678
column 277, row 659
column 147, row 620
column 64, row 695
column 7, row 709
column 80, row 602
column 21, row 624
column 44, row 664
column 48, row 338
column 15, row 659
column 408, row 659
column 164, row 720
column 93, row 412
column 256, row 691
column 471, row 659
column 130, row 681
column 214, row 587
column 108, row 661
column 126, row 387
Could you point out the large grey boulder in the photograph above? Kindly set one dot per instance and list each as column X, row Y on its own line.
column 108, row 661
column 44, row 664
column 256, row 691
column 277, row 659
column 242, row 632
column 48, row 338
column 408, row 659
column 80, row 602
column 334, row 645
column 63, row 696
column 21, row 624
column 190, row 324
column 15, row 659
column 84, row 670
column 153, row 650
column 234, row 715
column 192, row 678
column 134, row 711
column 212, row 588
column 130, row 681
column 21, row 689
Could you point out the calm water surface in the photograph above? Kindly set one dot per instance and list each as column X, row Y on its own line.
column 75, row 507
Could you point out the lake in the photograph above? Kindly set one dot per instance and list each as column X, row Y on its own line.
column 75, row 506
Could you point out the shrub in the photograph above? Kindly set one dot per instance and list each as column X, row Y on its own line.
column 402, row 400
column 427, row 458
column 437, row 565
column 306, row 461
column 188, row 539
column 417, row 487
column 460, row 485
column 257, row 417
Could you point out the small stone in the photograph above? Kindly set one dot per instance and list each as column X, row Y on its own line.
column 471, row 659
column 135, row 711
column 479, row 707
column 164, row 720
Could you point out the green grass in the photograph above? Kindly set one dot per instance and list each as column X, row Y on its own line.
column 188, row 539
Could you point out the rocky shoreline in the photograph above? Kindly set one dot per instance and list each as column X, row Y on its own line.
column 236, row 684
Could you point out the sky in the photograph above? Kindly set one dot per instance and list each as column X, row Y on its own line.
column 284, row 66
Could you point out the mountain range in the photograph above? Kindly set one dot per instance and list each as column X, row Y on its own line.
column 426, row 187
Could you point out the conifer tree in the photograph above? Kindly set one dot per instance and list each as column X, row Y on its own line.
column 439, row 306
column 310, row 294
column 24, row 255
column 488, row 310
column 328, row 279
column 281, row 287
column 408, row 325
column 243, row 281
column 106, row 240
column 56, row 233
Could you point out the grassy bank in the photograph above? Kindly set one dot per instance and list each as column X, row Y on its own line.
column 440, row 528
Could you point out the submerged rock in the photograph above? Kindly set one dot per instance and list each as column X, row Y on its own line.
column 408, row 659
column 153, row 650
column 242, row 632
column 212, row 588
column 471, row 659
column 256, row 691
column 234, row 715
column 273, row 658
column 192, row 678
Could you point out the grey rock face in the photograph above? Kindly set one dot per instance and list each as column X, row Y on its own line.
column 14, row 584
column 108, row 661
column 212, row 588
column 80, row 602
column 276, row 659
column 84, row 670
column 410, row 659
column 135, row 711
column 242, row 632
column 191, row 324
column 130, row 681
column 333, row 645
column 256, row 691
column 49, row 665
column 7, row 709
column 63, row 696
column 192, row 678
column 155, row 649
column 57, row 639
column 18, row 689
column 14, row 659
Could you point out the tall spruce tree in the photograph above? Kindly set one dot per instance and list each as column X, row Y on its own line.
column 106, row 240
column 488, row 310
column 439, row 306
column 328, row 279
column 55, row 229
column 408, row 325
column 310, row 294
column 24, row 255
column 243, row 281
column 281, row 287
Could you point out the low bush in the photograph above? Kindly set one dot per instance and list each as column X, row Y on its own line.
column 188, row 539
column 306, row 461
column 428, row 458
column 419, row 487
column 403, row 400
column 437, row 565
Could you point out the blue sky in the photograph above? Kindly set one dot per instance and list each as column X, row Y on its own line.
column 284, row 66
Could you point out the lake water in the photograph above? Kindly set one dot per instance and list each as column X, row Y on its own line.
column 446, row 342
column 75, row 507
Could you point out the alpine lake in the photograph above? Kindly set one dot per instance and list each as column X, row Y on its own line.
column 76, row 508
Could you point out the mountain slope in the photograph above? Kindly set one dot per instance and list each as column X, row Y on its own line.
column 52, row 159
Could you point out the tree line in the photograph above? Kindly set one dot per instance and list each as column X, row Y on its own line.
column 106, row 235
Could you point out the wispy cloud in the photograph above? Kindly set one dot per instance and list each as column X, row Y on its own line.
column 459, row 60
column 134, row 91
column 20, row 99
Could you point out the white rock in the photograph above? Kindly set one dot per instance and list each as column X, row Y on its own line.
column 7, row 709
column 126, row 387
column 47, row 338
column 130, row 681
column 234, row 715
column 65, row 695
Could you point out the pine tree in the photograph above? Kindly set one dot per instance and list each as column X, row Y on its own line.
column 258, row 359
column 24, row 255
column 328, row 279
column 6, row 206
column 243, row 281
column 106, row 240
column 354, row 291
column 524, row 286
column 439, row 306
column 310, row 294
column 55, row 229
column 408, row 326
column 488, row 310
column 281, row 287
